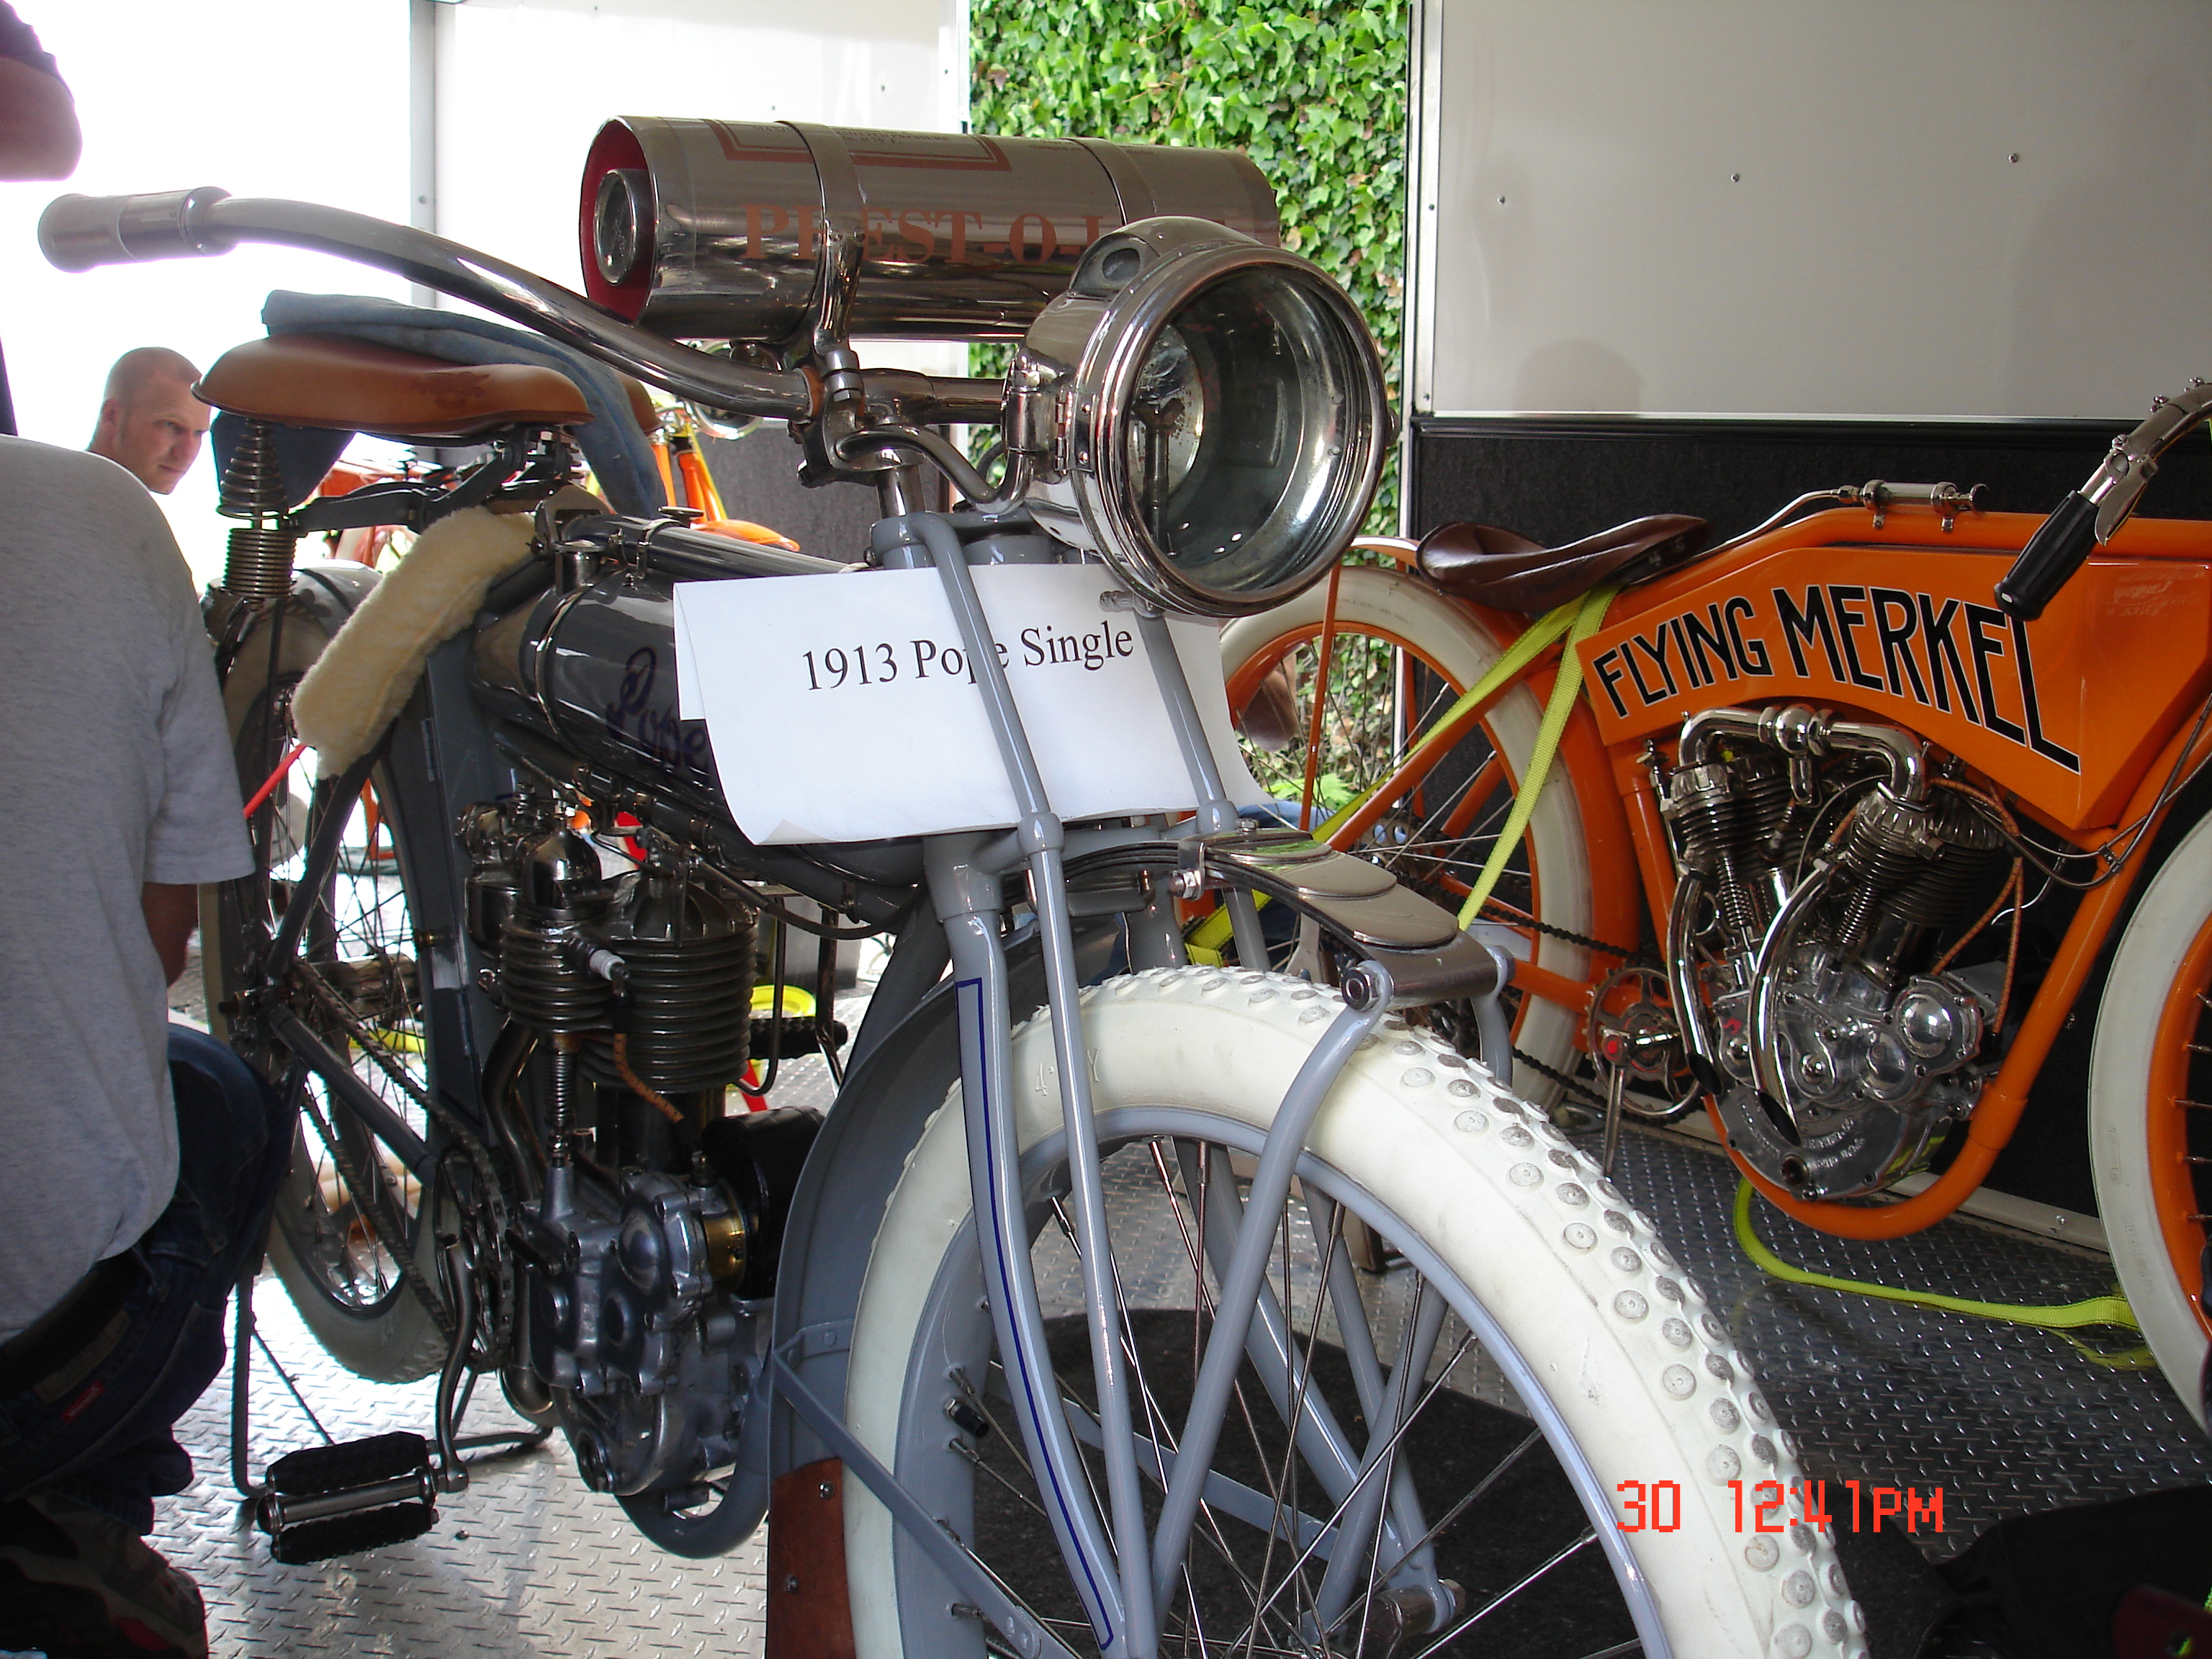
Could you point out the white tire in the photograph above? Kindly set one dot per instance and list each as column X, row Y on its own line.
column 1390, row 603
column 2146, row 981
column 1610, row 1347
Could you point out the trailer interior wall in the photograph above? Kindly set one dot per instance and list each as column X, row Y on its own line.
column 1700, row 256
column 1892, row 208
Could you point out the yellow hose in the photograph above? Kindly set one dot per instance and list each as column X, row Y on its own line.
column 2063, row 1317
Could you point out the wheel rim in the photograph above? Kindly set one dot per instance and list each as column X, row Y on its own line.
column 367, row 963
column 355, row 984
column 1525, row 1557
column 2180, row 1075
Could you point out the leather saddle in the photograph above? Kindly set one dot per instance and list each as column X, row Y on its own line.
column 339, row 384
column 1493, row 567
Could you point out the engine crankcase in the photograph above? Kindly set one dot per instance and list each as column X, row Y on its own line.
column 1873, row 1079
column 648, row 1362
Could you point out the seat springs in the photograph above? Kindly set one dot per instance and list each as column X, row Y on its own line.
column 259, row 567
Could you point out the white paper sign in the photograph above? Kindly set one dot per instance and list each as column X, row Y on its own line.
column 843, row 707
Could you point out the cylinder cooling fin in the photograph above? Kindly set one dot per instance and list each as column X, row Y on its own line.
column 687, row 989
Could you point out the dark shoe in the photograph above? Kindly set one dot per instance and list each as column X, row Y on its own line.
column 78, row 1585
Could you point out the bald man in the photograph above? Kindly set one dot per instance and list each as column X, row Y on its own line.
column 150, row 424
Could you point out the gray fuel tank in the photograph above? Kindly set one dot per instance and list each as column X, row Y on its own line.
column 596, row 668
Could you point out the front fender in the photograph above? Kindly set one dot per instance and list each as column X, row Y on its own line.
column 857, row 1160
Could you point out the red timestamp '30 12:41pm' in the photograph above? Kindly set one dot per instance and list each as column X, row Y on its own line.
column 1771, row 1506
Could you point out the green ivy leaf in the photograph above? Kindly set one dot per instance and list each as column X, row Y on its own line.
column 1316, row 97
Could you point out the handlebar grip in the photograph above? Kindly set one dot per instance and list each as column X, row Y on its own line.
column 76, row 232
column 2051, row 556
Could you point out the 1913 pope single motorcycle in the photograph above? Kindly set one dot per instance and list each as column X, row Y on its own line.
column 1068, row 1259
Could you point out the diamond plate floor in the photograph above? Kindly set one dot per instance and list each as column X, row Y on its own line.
column 528, row 1563
column 2001, row 1419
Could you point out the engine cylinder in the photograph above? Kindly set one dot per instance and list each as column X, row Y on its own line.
column 1721, row 811
column 689, row 987
column 1929, row 864
column 1965, row 875
column 558, row 899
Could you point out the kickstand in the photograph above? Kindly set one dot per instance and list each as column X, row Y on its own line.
column 246, row 1337
column 1616, row 1081
column 241, row 1384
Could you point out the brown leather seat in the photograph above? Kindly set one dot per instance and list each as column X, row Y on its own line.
column 346, row 385
column 1496, row 567
column 641, row 406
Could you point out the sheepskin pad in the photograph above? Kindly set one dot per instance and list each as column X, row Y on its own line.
column 364, row 675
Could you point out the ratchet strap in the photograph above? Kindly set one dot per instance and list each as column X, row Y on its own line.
column 1577, row 619
column 2063, row 1318
column 1587, row 613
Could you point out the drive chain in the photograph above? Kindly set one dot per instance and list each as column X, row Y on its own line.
column 1637, row 957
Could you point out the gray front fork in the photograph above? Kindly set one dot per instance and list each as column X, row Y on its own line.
column 1120, row 1572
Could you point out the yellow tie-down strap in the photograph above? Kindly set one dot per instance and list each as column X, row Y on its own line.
column 1577, row 619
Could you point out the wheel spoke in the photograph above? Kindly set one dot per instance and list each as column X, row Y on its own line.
column 1498, row 1601
column 353, row 985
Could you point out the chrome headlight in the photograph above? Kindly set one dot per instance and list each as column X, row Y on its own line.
column 1204, row 411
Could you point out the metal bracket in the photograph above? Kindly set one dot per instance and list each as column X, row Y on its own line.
column 1133, row 194
column 844, row 238
column 1189, row 878
column 1948, row 499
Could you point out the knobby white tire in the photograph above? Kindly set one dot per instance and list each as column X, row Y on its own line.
column 2173, row 911
column 1631, row 1371
column 1375, row 600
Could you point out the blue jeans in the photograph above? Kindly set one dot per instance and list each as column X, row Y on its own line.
column 108, row 1439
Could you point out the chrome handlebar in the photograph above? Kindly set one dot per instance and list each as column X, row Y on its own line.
column 2087, row 518
column 78, row 233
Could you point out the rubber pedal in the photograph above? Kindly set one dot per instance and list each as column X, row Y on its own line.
column 347, row 1464
column 349, row 1534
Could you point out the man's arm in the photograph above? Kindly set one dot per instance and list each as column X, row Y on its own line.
column 172, row 913
column 39, row 137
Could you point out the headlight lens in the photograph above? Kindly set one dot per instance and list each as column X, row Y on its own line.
column 1229, row 418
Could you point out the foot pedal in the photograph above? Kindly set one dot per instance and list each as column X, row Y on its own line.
column 341, row 1499
column 308, row 1542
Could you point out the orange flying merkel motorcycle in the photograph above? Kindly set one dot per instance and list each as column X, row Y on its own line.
column 1837, row 761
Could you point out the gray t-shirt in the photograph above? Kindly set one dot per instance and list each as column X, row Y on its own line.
column 116, row 768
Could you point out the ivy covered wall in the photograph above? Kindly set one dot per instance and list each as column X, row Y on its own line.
column 1316, row 95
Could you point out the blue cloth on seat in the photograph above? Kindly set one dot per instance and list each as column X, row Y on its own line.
column 621, row 456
